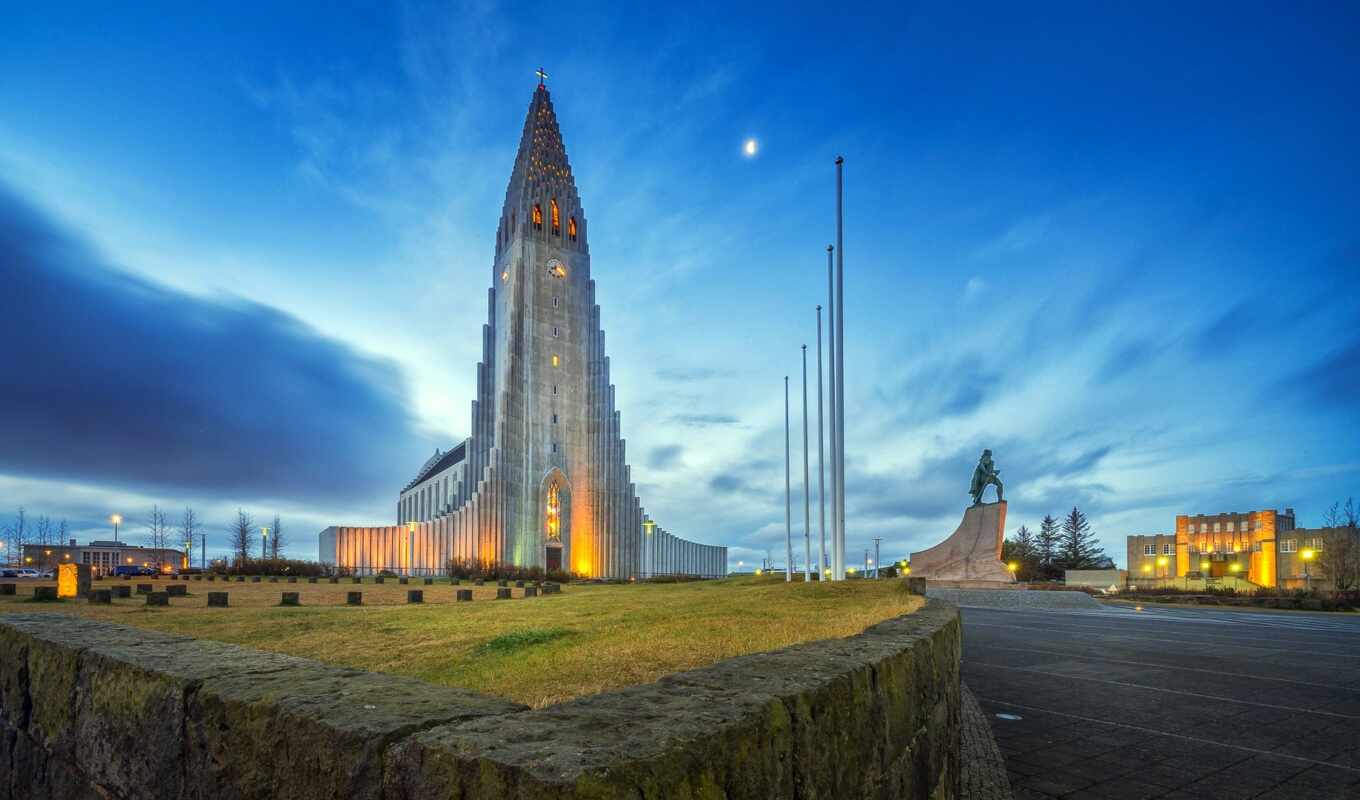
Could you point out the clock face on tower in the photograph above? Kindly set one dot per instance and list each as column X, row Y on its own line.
column 556, row 268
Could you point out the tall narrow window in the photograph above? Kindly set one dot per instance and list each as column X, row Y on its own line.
column 571, row 228
column 554, row 388
column 556, row 361
column 555, row 302
column 555, row 332
column 538, row 217
column 556, row 220
column 554, row 515
column 554, row 419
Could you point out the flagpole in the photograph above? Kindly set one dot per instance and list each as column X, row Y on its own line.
column 821, row 468
column 837, row 554
column 840, row 355
column 788, row 491
column 807, row 499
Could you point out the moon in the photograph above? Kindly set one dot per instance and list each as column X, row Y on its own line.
column 750, row 148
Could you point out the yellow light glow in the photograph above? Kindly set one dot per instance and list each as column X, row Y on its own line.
column 1147, row 568
column 65, row 555
column 1204, row 565
column 851, row 571
column 1161, row 561
column 129, row 561
column 1306, row 554
column 759, row 572
column 66, row 580
column 28, row 559
column 47, row 552
column 505, row 276
column 1235, row 567
column 116, row 519
column 1012, row 566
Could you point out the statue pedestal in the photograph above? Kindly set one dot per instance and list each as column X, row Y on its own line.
column 972, row 553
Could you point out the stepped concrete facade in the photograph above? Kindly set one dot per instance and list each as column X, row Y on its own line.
column 543, row 480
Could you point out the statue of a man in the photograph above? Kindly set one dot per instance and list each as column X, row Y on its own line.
column 985, row 473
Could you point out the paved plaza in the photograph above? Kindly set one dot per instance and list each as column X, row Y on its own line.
column 1170, row 703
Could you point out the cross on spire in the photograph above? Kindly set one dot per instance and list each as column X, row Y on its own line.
column 541, row 75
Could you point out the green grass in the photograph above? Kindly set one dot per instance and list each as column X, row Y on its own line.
column 539, row 651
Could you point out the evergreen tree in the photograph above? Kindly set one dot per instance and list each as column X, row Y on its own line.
column 1022, row 550
column 1078, row 546
column 1046, row 543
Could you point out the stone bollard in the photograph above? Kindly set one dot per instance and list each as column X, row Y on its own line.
column 356, row 580
column 503, row 593
column 217, row 599
column 429, row 581
column 145, row 588
column 403, row 580
column 311, row 580
column 158, row 599
column 415, row 596
column 7, row 588
column 122, row 591
column 916, row 585
column 177, row 590
column 289, row 599
column 45, row 594
column 101, row 597
column 464, row 595
column 530, row 591
column 355, row 598
column 519, row 584
column 380, row 579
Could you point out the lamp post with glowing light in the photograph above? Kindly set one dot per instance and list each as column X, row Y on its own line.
column 264, row 543
column 116, row 519
column 1161, row 566
column 1013, row 568
column 1307, row 555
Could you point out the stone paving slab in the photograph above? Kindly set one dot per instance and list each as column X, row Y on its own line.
column 984, row 768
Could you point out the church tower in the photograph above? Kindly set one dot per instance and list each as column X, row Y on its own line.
column 544, row 420
column 543, row 479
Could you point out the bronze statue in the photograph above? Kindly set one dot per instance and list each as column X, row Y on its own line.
column 985, row 473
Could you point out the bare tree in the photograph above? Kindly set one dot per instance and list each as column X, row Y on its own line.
column 242, row 534
column 44, row 531
column 276, row 541
column 158, row 536
column 18, row 536
column 1340, row 552
column 189, row 529
column 62, row 533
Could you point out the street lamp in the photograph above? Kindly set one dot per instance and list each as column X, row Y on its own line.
column 1013, row 568
column 264, row 543
column 1161, row 564
column 1307, row 555
column 116, row 519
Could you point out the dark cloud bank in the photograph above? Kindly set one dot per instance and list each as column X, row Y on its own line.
column 112, row 379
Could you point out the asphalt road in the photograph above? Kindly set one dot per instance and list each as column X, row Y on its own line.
column 1170, row 703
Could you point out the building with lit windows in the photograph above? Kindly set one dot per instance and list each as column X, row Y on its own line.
column 1260, row 547
column 103, row 556
column 543, row 480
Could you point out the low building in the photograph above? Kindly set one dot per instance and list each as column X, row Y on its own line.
column 103, row 556
column 1304, row 557
column 1151, row 555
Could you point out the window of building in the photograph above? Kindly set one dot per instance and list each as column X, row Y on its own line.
column 556, row 361
column 1166, row 549
column 1317, row 543
column 555, row 300
column 538, row 217
column 1149, row 549
column 555, row 332
column 554, row 419
column 1216, row 527
column 554, row 447
column 556, row 219
column 571, row 228
column 554, row 388
column 1287, row 545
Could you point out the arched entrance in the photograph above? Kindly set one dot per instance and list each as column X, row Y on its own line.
column 555, row 519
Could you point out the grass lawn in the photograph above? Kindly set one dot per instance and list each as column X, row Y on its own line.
column 538, row 651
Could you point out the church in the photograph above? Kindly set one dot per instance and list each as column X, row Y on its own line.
column 543, row 480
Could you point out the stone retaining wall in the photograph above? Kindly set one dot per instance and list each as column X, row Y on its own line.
column 91, row 709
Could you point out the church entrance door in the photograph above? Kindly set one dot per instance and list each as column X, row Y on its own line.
column 554, row 559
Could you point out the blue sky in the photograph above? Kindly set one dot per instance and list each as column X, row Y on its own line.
column 245, row 253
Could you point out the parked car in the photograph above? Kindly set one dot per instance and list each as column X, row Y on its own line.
column 133, row 570
column 47, row 574
column 26, row 572
column 8, row 572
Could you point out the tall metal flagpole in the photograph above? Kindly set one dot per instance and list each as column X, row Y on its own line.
column 788, row 493
column 821, row 469
column 840, row 356
column 837, row 554
column 807, row 495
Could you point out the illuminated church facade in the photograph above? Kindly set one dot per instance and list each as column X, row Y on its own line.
column 543, row 479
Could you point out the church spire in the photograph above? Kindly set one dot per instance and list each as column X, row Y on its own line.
column 542, row 190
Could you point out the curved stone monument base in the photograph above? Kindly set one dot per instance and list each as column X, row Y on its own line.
column 971, row 553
